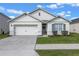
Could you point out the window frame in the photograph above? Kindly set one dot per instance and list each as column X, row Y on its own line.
column 58, row 27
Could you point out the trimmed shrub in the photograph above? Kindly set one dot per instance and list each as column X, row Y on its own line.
column 54, row 32
column 65, row 33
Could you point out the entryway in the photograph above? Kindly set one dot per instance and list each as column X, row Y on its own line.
column 44, row 27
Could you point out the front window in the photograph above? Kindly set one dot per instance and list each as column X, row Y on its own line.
column 58, row 27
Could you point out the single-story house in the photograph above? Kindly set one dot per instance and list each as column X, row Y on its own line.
column 4, row 25
column 38, row 22
column 74, row 26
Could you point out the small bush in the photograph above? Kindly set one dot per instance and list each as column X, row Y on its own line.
column 54, row 32
column 65, row 33
column 3, row 32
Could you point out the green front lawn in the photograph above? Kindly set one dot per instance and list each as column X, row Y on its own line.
column 58, row 52
column 3, row 36
column 72, row 38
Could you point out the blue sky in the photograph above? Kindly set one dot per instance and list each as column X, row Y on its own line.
column 66, row 10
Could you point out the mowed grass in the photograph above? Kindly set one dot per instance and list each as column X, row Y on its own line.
column 72, row 38
column 3, row 36
column 58, row 52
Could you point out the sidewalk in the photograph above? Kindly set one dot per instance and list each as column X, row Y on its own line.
column 56, row 46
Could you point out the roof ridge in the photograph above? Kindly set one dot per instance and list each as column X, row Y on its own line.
column 42, row 10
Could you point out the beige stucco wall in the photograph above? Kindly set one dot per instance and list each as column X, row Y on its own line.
column 43, row 15
column 74, row 28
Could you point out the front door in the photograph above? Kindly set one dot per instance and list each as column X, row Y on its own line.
column 44, row 31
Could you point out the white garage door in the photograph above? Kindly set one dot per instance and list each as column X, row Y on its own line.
column 26, row 30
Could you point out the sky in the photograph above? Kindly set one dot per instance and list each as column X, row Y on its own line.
column 68, row 11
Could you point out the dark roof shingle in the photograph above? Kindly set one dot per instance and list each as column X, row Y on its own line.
column 75, row 20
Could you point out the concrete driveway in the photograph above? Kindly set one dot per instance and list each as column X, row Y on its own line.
column 18, row 46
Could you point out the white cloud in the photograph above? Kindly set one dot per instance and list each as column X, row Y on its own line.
column 2, row 8
column 71, row 4
column 74, row 18
column 74, row 4
column 67, row 15
column 68, row 12
column 55, row 6
column 27, row 12
column 64, row 13
column 39, row 6
column 52, row 6
column 61, row 13
column 61, row 6
column 77, row 4
column 12, row 16
column 59, row 3
column 15, row 11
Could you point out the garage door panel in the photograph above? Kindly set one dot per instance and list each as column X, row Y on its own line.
column 26, row 30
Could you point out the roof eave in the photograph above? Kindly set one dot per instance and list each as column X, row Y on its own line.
column 58, row 17
column 17, row 17
column 22, row 15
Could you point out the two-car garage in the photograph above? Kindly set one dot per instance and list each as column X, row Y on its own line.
column 25, row 25
column 26, row 30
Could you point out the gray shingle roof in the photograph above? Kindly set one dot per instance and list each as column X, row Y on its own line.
column 43, row 21
column 4, row 15
column 75, row 20
column 23, row 15
column 58, row 17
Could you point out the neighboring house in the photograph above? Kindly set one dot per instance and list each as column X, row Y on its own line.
column 4, row 25
column 74, row 26
column 38, row 22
